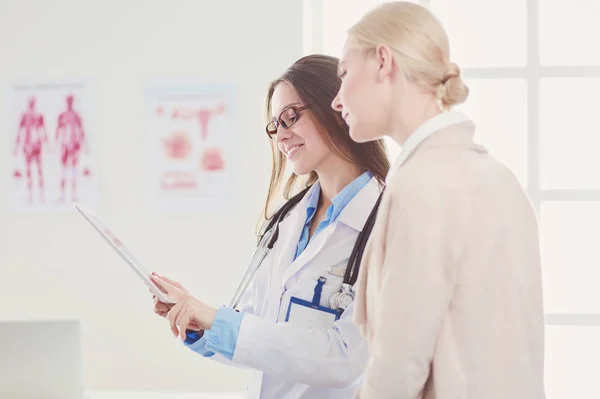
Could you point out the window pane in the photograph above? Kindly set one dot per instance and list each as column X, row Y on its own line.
column 570, row 256
column 478, row 31
column 570, row 138
column 571, row 362
column 569, row 32
column 338, row 16
column 499, row 109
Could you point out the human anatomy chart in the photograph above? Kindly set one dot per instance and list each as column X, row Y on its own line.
column 51, row 160
column 189, row 133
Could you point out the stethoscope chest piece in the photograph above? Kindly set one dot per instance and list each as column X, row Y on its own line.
column 342, row 298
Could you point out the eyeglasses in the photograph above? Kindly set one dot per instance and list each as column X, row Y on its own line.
column 286, row 118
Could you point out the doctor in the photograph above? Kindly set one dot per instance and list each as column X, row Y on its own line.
column 285, row 329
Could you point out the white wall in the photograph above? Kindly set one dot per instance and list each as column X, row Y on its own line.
column 53, row 265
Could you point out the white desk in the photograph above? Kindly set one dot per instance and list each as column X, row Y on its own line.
column 161, row 395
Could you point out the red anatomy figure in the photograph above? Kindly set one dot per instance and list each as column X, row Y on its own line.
column 70, row 137
column 32, row 133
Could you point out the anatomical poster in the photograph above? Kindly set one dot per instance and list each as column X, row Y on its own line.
column 189, row 135
column 51, row 162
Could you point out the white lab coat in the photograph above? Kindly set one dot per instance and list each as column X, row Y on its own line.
column 289, row 361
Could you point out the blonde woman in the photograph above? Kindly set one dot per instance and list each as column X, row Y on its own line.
column 449, row 294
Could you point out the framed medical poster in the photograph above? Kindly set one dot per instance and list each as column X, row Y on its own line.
column 189, row 131
column 51, row 147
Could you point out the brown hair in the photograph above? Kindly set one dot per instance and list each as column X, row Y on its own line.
column 315, row 80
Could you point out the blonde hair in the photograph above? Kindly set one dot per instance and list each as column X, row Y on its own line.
column 420, row 46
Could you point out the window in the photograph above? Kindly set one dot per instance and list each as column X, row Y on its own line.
column 534, row 73
column 569, row 135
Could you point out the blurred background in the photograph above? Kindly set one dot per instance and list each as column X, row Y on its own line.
column 140, row 71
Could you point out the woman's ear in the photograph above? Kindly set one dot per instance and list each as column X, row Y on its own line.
column 385, row 61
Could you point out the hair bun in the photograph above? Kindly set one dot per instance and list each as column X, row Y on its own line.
column 452, row 72
column 452, row 89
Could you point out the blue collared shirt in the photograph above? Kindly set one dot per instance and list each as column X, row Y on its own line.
column 221, row 338
column 338, row 203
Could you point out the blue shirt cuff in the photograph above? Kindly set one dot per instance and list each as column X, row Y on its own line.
column 222, row 336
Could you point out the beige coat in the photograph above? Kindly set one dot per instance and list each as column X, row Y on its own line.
column 449, row 295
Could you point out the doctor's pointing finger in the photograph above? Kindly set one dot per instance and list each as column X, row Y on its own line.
column 188, row 313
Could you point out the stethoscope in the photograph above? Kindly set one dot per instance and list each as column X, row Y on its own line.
column 339, row 300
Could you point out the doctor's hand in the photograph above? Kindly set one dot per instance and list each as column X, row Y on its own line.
column 161, row 308
column 187, row 312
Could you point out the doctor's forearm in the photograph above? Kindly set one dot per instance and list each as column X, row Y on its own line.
column 334, row 358
column 218, row 343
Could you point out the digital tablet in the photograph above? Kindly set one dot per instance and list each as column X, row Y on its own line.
column 121, row 250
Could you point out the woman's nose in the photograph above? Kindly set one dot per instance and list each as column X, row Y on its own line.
column 336, row 104
column 283, row 133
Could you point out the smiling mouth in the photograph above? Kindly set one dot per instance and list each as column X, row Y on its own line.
column 290, row 151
